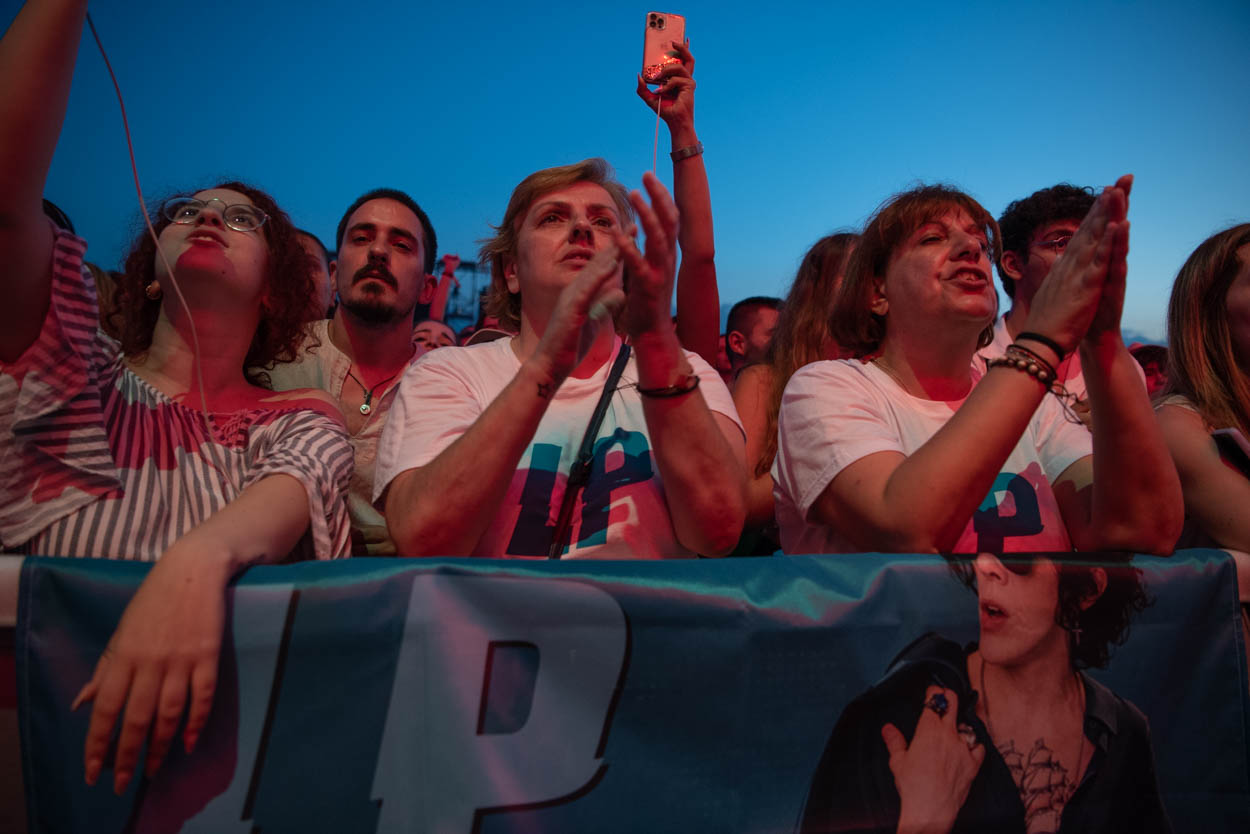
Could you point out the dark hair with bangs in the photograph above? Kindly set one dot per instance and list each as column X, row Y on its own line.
column 1023, row 217
column 1096, row 630
column 288, row 296
column 853, row 324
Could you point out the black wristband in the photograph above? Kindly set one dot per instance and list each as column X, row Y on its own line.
column 1044, row 340
column 685, row 386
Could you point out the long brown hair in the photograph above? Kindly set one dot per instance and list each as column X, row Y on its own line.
column 802, row 333
column 289, row 295
column 1202, row 364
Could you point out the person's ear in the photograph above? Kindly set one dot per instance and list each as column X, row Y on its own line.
column 510, row 276
column 879, row 305
column 735, row 343
column 1099, row 575
column 334, row 275
column 428, row 285
column 1013, row 265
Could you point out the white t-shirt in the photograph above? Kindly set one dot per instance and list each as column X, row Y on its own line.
column 834, row 413
column 622, row 512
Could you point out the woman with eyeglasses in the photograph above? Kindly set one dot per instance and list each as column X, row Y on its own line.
column 1007, row 734
column 918, row 446
column 163, row 447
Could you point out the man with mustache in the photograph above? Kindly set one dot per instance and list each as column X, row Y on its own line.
column 386, row 249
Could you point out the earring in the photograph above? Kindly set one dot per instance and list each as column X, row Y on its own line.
column 153, row 291
column 1072, row 624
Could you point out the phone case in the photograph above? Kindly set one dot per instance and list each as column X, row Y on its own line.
column 657, row 46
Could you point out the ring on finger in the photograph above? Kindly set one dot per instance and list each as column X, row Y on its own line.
column 938, row 703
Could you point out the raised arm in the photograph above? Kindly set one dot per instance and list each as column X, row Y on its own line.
column 922, row 502
column 444, row 507
column 438, row 307
column 1134, row 501
column 169, row 639
column 698, row 300
column 700, row 455
column 37, row 62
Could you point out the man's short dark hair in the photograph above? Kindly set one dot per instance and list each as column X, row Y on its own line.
column 325, row 253
column 1024, row 217
column 429, row 245
column 742, row 314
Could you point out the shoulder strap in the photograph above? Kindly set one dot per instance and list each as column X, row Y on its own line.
column 579, row 473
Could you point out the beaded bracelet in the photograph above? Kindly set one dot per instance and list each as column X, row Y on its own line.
column 1034, row 357
column 1021, row 358
column 1017, row 360
column 685, row 386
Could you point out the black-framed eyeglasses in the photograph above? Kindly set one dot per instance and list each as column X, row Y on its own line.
column 1055, row 244
column 241, row 217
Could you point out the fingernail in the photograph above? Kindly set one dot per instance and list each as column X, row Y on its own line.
column 189, row 741
column 121, row 781
column 93, row 771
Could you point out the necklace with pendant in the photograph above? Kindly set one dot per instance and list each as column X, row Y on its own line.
column 365, row 407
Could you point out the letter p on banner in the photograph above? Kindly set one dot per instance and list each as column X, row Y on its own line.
column 443, row 758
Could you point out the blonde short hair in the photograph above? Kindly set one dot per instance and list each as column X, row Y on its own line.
column 498, row 300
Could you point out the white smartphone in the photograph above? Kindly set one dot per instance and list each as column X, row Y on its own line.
column 657, row 44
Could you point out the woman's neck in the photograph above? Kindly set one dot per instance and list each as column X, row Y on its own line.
column 1030, row 690
column 604, row 337
column 175, row 366
column 937, row 369
column 379, row 351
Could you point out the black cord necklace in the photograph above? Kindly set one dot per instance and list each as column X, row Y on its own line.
column 365, row 407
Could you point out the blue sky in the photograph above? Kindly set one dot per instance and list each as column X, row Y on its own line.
column 811, row 114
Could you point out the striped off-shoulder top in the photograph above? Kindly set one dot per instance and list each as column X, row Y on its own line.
column 94, row 461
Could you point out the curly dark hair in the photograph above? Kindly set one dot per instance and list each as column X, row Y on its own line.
column 1101, row 626
column 288, row 303
column 1025, row 216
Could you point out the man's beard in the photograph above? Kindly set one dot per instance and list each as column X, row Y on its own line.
column 373, row 310
column 370, row 307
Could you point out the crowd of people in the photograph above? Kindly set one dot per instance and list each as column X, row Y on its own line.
column 246, row 396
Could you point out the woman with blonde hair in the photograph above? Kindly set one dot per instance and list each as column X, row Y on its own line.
column 802, row 336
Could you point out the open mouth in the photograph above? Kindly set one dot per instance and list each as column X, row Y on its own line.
column 992, row 616
column 971, row 278
column 205, row 237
